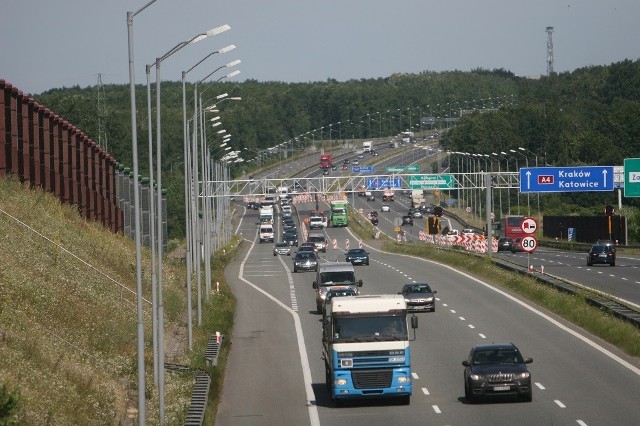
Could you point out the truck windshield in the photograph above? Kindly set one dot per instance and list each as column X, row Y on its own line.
column 339, row 210
column 370, row 328
column 337, row 277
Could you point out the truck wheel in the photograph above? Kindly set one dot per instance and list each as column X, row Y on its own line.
column 318, row 308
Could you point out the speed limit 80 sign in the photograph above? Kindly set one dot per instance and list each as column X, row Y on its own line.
column 529, row 244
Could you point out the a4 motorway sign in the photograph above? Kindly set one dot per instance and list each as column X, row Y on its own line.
column 361, row 169
column 383, row 183
column 566, row 179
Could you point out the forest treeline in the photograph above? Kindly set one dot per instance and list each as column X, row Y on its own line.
column 590, row 116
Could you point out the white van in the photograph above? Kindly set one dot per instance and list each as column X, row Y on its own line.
column 266, row 233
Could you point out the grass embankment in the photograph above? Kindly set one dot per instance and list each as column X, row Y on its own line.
column 572, row 308
column 68, row 321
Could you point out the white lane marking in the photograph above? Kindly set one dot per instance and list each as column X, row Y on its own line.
column 425, row 391
column 559, row 403
column 471, row 326
column 482, row 336
column 581, row 423
column 444, row 304
column 539, row 385
column 415, row 375
column 240, row 221
column 452, row 311
column 314, row 418
column 461, row 318
column 436, row 409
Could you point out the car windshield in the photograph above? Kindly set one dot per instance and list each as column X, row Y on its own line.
column 601, row 249
column 356, row 252
column 342, row 277
column 364, row 328
column 417, row 288
column 315, row 239
column 497, row 356
column 306, row 255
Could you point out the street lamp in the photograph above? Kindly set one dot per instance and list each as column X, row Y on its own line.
column 508, row 183
column 537, row 194
column 178, row 47
column 136, row 212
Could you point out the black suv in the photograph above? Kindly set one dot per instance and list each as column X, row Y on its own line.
column 496, row 369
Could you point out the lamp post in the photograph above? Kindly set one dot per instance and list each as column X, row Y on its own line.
column 142, row 416
column 506, row 157
column 158, row 61
column 527, row 162
column 538, row 194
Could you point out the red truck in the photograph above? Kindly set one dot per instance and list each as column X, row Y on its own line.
column 326, row 161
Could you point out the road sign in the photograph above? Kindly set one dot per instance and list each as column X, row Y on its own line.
column 396, row 229
column 529, row 225
column 632, row 177
column 361, row 169
column 566, row 179
column 383, row 183
column 431, row 182
column 346, row 244
column 414, row 168
column 395, row 169
column 529, row 244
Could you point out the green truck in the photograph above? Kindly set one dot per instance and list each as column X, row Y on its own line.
column 339, row 213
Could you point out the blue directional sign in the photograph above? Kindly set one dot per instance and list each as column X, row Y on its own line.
column 566, row 179
column 383, row 183
column 361, row 169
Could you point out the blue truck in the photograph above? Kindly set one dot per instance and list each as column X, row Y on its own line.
column 366, row 348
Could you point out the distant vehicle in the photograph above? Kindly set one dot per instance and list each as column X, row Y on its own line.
column 496, row 369
column 417, row 214
column 356, row 162
column 357, row 256
column 338, row 216
column 346, row 161
column 361, row 156
column 419, row 297
column 511, row 226
column 371, row 197
column 374, row 153
column 367, row 146
column 307, row 247
column 516, row 245
column 334, row 167
column 505, row 244
column 319, row 240
column 281, row 248
column 601, row 253
column 345, row 166
column 388, row 195
column 290, row 239
column 331, row 276
column 326, row 161
column 385, row 208
column 373, row 217
column 305, row 261
column 468, row 232
column 407, row 137
column 407, row 220
column 417, row 198
column 325, row 172
column 317, row 220
column 265, row 232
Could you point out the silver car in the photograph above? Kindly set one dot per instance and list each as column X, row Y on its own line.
column 419, row 297
column 281, row 248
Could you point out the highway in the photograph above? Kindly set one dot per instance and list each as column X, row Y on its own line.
column 275, row 374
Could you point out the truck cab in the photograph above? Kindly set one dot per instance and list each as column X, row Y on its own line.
column 339, row 213
column 366, row 348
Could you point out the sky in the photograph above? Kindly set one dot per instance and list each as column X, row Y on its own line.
column 49, row 44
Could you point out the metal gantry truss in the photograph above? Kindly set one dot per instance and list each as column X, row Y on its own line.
column 350, row 184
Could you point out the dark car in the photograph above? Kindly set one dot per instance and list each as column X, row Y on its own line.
column 419, row 297
column 496, row 369
column 505, row 244
column 345, row 166
column 516, row 245
column 407, row 220
column 601, row 253
column 357, row 256
column 308, row 247
column 333, row 293
column 290, row 238
column 373, row 217
column 334, row 167
column 305, row 261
